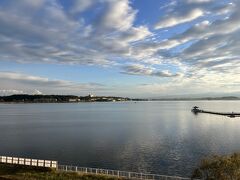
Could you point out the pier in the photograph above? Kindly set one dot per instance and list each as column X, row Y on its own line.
column 196, row 110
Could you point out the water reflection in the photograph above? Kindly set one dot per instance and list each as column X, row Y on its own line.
column 157, row 137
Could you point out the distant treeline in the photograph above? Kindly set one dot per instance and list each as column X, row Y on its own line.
column 25, row 98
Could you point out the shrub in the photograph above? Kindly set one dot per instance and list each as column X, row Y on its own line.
column 219, row 167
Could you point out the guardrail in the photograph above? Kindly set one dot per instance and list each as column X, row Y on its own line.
column 85, row 170
column 116, row 173
column 28, row 162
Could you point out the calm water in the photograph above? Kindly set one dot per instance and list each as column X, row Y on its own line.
column 156, row 137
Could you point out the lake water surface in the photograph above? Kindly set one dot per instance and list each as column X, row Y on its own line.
column 155, row 137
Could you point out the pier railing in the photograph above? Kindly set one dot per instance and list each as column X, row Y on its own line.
column 119, row 174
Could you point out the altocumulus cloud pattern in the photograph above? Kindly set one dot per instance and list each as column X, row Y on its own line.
column 119, row 47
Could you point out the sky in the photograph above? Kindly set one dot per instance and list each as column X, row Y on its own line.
column 130, row 48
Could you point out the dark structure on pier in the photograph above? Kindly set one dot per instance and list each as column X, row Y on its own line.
column 196, row 110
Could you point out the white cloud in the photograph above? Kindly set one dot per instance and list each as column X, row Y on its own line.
column 205, row 82
column 46, row 32
column 37, row 92
column 224, row 9
column 198, row 1
column 7, row 92
column 171, row 21
column 35, row 84
column 209, row 42
column 82, row 5
column 56, row 37
column 135, row 34
column 139, row 69
column 35, row 3
column 119, row 15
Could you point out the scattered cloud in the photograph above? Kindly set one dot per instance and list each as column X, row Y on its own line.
column 204, row 83
column 37, row 92
column 170, row 21
column 119, row 15
column 198, row 1
column 49, row 34
column 200, row 37
column 139, row 69
column 38, row 85
column 79, row 6
column 7, row 92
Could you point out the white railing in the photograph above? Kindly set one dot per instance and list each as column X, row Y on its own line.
column 116, row 173
column 28, row 162
column 85, row 170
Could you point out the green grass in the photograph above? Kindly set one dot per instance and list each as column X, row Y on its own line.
column 19, row 172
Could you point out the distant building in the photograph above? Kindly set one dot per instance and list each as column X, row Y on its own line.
column 90, row 95
column 73, row 100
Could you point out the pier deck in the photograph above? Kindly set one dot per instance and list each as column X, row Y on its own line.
column 196, row 110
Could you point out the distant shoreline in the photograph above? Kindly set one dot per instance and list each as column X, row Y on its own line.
column 27, row 99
